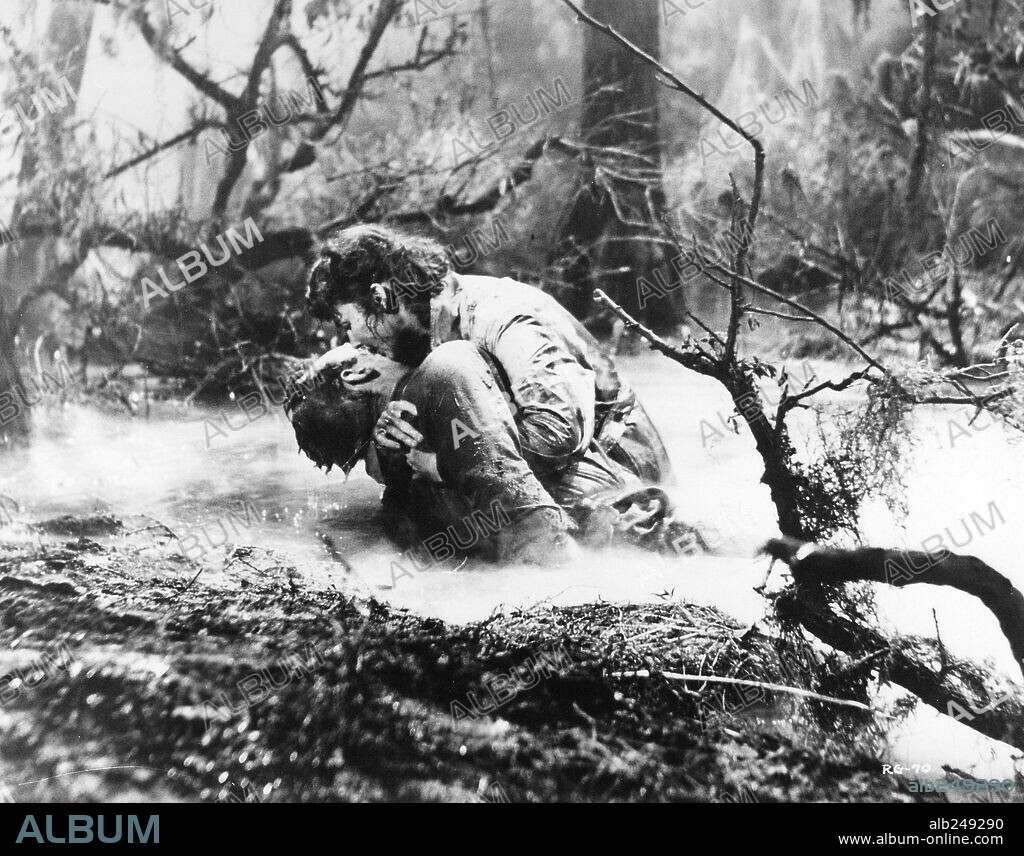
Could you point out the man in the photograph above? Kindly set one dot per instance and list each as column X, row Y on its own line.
column 456, row 472
column 400, row 295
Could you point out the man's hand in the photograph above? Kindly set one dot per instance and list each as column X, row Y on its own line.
column 424, row 466
column 393, row 431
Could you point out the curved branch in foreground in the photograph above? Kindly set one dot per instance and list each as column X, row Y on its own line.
column 955, row 688
column 911, row 663
column 812, row 564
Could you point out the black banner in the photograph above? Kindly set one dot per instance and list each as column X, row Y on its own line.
column 211, row 825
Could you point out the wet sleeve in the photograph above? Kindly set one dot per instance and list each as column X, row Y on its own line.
column 554, row 394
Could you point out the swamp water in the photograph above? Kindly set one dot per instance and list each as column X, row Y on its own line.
column 249, row 486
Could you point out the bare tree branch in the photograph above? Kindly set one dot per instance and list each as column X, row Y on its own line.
column 749, row 218
column 200, row 81
column 839, row 334
column 698, row 361
column 191, row 133
column 386, row 13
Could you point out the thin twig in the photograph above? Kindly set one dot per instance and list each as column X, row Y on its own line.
column 757, row 310
column 714, row 679
column 680, row 86
column 790, row 401
column 708, row 263
column 711, row 333
column 856, row 664
column 943, row 658
column 698, row 362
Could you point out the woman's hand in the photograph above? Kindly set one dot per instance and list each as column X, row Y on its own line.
column 393, row 431
column 424, row 466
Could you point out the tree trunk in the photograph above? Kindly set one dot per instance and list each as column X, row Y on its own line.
column 66, row 41
column 14, row 422
column 605, row 240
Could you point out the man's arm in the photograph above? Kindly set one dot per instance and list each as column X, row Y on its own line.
column 553, row 393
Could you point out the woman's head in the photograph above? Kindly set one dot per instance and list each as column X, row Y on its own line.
column 334, row 417
column 333, row 424
column 375, row 284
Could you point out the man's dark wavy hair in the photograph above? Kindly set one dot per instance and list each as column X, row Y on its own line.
column 350, row 260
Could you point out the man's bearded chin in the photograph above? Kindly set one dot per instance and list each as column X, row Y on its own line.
column 410, row 341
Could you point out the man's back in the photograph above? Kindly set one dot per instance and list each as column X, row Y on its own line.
column 558, row 374
column 485, row 307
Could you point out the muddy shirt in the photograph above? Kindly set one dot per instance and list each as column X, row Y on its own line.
column 561, row 384
column 465, row 420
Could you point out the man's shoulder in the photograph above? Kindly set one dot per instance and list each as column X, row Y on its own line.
column 494, row 295
column 477, row 283
column 490, row 301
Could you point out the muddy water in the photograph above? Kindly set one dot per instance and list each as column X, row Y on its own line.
column 215, row 481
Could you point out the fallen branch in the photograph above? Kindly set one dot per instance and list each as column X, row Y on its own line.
column 812, row 564
column 999, row 715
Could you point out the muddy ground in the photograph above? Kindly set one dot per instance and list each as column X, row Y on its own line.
column 133, row 673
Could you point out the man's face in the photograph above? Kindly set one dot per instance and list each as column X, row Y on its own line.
column 401, row 336
column 352, row 326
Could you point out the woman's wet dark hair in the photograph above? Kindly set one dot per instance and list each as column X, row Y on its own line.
column 333, row 425
column 350, row 260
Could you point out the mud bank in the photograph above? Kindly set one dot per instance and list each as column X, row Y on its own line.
column 241, row 683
